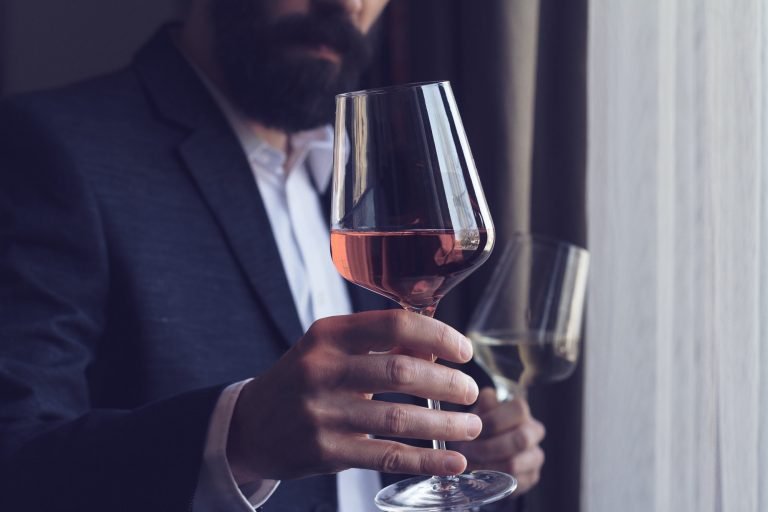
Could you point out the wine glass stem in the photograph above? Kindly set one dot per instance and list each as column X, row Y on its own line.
column 435, row 406
column 441, row 483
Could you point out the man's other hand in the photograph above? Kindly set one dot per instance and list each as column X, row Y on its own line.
column 509, row 441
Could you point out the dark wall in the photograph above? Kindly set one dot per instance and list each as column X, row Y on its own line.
column 45, row 43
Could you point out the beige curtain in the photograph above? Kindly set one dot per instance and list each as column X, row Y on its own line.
column 676, row 415
column 517, row 69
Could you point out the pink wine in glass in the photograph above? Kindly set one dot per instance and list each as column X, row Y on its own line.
column 415, row 267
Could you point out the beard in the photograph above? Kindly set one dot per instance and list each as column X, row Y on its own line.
column 268, row 69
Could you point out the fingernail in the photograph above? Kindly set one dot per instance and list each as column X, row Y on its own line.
column 454, row 463
column 472, row 390
column 466, row 350
column 474, row 426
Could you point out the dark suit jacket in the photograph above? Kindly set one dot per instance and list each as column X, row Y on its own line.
column 138, row 277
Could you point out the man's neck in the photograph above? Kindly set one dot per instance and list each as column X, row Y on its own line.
column 196, row 41
column 275, row 138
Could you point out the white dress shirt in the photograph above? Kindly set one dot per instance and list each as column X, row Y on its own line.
column 289, row 191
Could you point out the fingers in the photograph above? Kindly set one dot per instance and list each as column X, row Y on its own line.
column 526, row 462
column 507, row 416
column 486, row 401
column 381, row 331
column 403, row 374
column 509, row 441
column 410, row 421
column 393, row 457
column 507, row 444
column 525, row 467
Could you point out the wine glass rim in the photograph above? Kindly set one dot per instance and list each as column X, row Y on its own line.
column 392, row 88
column 549, row 240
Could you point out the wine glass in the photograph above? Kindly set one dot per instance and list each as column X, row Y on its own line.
column 409, row 221
column 527, row 327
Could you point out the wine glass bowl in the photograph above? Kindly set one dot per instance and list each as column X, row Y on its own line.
column 409, row 218
column 409, row 221
column 527, row 327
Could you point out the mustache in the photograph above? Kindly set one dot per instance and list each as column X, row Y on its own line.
column 334, row 32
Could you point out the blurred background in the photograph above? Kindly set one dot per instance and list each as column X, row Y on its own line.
column 656, row 146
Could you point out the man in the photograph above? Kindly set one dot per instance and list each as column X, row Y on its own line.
column 172, row 334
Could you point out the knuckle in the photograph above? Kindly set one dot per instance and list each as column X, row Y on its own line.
column 400, row 321
column 456, row 384
column 397, row 420
column 318, row 369
column 325, row 454
column 426, row 466
column 310, row 370
column 322, row 333
column 314, row 335
column 322, row 416
column 451, row 428
column 400, row 370
column 312, row 417
column 521, row 439
column 391, row 460
column 321, row 374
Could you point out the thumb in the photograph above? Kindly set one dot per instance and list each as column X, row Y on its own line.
column 485, row 401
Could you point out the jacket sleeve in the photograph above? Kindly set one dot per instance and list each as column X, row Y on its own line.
column 56, row 451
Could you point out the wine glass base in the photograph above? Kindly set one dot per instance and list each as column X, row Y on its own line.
column 461, row 492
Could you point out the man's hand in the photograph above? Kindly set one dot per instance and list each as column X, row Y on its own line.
column 311, row 412
column 509, row 441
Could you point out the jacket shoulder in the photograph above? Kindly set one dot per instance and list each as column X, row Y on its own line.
column 115, row 97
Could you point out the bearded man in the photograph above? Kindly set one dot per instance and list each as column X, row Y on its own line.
column 173, row 336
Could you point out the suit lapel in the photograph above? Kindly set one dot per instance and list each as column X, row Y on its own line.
column 218, row 166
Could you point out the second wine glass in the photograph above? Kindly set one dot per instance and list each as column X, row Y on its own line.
column 527, row 327
column 409, row 221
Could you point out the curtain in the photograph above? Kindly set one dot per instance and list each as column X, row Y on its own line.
column 676, row 414
column 518, row 68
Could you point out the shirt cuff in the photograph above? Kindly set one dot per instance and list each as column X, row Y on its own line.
column 217, row 490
